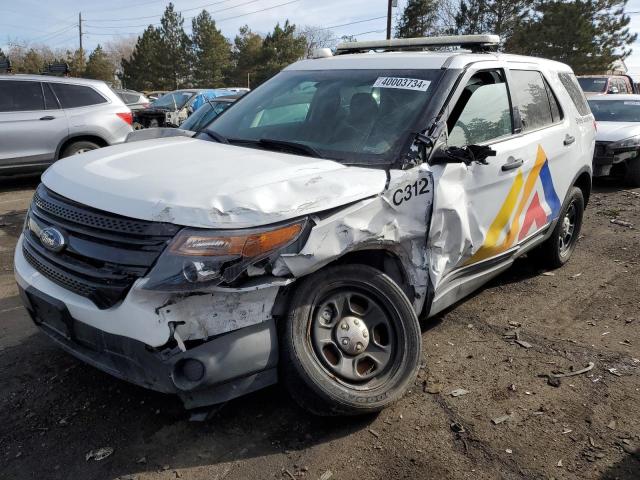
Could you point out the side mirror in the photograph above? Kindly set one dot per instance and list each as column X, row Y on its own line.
column 466, row 155
column 613, row 90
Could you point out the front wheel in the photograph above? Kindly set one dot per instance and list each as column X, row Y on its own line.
column 558, row 248
column 351, row 343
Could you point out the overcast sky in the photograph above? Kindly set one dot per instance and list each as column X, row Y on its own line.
column 55, row 22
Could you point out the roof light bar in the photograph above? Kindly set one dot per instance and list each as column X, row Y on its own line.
column 472, row 42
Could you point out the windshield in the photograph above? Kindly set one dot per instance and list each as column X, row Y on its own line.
column 616, row 110
column 204, row 115
column 173, row 100
column 593, row 85
column 352, row 116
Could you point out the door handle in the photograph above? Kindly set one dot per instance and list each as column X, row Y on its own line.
column 512, row 164
column 48, row 117
column 568, row 140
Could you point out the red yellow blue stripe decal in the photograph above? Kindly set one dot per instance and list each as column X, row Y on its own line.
column 523, row 196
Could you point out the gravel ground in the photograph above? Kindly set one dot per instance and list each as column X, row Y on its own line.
column 512, row 423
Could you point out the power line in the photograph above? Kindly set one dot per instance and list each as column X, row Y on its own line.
column 127, row 5
column 181, row 11
column 49, row 36
column 189, row 18
column 159, row 14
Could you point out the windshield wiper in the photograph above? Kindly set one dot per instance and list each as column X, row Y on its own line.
column 215, row 135
column 291, row 146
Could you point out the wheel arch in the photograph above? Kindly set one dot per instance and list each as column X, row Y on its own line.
column 583, row 182
column 383, row 259
column 78, row 138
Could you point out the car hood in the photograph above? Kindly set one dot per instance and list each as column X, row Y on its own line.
column 199, row 183
column 614, row 131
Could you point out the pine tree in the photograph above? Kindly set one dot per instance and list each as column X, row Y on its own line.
column 212, row 53
column 99, row 66
column 246, row 57
column 499, row 17
column 472, row 17
column 588, row 35
column 76, row 61
column 176, row 50
column 279, row 48
column 32, row 62
column 419, row 19
column 142, row 70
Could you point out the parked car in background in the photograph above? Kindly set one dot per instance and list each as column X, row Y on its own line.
column 173, row 108
column 45, row 118
column 208, row 112
column 618, row 137
column 155, row 94
column 132, row 99
column 605, row 84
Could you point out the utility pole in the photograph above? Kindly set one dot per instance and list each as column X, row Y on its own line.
column 80, row 31
column 389, row 11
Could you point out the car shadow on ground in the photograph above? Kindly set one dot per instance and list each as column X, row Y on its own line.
column 627, row 469
column 19, row 182
column 78, row 409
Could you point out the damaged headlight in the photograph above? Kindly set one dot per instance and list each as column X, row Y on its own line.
column 628, row 143
column 199, row 258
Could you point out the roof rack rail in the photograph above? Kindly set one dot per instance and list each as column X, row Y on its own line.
column 5, row 65
column 475, row 43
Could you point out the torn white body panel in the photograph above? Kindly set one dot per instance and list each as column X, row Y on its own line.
column 217, row 186
column 206, row 315
column 396, row 220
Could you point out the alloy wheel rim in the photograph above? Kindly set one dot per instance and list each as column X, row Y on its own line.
column 567, row 230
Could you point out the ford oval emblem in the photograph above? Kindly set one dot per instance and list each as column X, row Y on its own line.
column 52, row 239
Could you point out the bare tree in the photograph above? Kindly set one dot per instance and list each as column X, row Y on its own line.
column 120, row 49
column 317, row 37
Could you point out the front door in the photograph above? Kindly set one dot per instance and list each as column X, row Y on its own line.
column 483, row 212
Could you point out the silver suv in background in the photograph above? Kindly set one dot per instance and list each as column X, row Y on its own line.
column 45, row 118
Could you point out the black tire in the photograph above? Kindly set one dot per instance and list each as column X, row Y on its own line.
column 633, row 173
column 80, row 146
column 558, row 248
column 307, row 371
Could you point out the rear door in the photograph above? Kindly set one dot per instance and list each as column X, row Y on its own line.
column 31, row 123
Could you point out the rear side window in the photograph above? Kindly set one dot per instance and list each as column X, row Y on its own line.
column 72, row 96
column 533, row 100
column 20, row 96
column 572, row 87
column 50, row 102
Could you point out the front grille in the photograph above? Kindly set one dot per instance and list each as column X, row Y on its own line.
column 104, row 254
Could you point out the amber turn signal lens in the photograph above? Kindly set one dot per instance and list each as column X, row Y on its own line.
column 250, row 245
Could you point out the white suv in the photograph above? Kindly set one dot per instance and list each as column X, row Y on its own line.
column 44, row 118
column 304, row 232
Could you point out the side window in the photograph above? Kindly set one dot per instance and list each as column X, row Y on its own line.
column 556, row 110
column 533, row 100
column 571, row 85
column 72, row 96
column 50, row 102
column 483, row 111
column 20, row 96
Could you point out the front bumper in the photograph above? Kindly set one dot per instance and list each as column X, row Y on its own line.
column 135, row 340
column 605, row 159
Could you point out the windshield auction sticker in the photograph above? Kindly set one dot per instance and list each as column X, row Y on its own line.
column 403, row 83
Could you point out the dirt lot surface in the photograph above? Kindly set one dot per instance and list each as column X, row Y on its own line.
column 54, row 409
